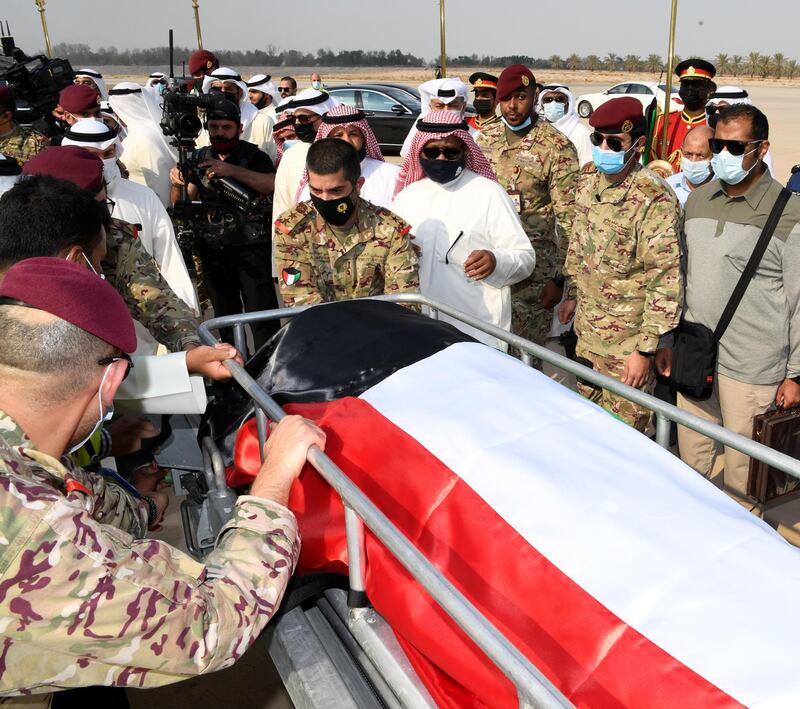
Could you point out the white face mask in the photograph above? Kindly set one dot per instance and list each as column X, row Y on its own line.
column 89, row 264
column 111, row 169
column 104, row 417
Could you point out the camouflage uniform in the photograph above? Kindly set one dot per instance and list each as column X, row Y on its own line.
column 84, row 603
column 133, row 272
column 317, row 263
column 22, row 144
column 623, row 266
column 543, row 167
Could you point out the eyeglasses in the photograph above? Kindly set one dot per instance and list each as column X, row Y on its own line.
column 303, row 118
column 611, row 141
column 123, row 357
column 735, row 147
column 110, row 203
column 558, row 98
column 433, row 153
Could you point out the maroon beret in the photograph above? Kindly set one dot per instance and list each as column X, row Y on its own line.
column 202, row 59
column 619, row 115
column 68, row 162
column 79, row 98
column 513, row 78
column 73, row 293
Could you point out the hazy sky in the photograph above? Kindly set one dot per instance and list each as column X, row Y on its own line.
column 537, row 28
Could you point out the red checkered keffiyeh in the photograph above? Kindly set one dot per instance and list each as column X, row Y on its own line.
column 435, row 126
column 344, row 116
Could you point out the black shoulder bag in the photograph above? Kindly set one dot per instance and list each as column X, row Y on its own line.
column 694, row 354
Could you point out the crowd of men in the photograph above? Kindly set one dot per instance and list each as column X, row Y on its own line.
column 517, row 215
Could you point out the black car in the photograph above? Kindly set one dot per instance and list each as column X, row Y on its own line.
column 391, row 109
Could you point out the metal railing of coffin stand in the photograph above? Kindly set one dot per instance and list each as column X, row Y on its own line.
column 533, row 688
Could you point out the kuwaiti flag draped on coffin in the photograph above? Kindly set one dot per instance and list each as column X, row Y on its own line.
column 626, row 577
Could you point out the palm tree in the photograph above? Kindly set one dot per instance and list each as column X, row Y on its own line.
column 556, row 62
column 631, row 62
column 573, row 61
column 778, row 64
column 791, row 68
column 593, row 63
column 736, row 64
column 653, row 63
column 753, row 63
column 611, row 61
column 721, row 62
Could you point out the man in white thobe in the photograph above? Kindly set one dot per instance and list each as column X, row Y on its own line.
column 472, row 245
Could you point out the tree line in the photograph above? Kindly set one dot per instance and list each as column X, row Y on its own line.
column 83, row 55
column 753, row 65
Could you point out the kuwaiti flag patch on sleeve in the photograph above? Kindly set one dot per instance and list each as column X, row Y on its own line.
column 291, row 276
column 626, row 577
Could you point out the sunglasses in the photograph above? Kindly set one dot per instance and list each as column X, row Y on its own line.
column 611, row 141
column 735, row 147
column 124, row 357
column 433, row 153
column 110, row 203
column 302, row 118
column 283, row 90
column 558, row 99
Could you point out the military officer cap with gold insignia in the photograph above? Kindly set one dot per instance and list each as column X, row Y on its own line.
column 620, row 115
column 514, row 78
column 482, row 80
column 695, row 69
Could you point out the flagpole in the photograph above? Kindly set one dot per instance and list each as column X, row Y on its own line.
column 443, row 52
column 40, row 5
column 196, row 6
column 668, row 93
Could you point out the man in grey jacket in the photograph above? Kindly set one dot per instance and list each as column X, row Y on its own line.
column 759, row 354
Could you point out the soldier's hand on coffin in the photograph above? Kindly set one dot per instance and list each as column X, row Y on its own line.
column 480, row 264
column 637, row 369
column 551, row 294
column 208, row 361
column 788, row 394
column 127, row 433
column 566, row 310
column 664, row 361
column 284, row 457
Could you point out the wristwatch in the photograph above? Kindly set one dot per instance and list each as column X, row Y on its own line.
column 646, row 354
column 153, row 514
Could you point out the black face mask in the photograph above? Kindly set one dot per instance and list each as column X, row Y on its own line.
column 362, row 153
column 231, row 96
column 262, row 103
column 442, row 171
column 335, row 211
column 483, row 106
column 305, row 132
column 692, row 94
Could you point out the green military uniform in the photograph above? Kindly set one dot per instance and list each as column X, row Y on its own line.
column 540, row 172
column 623, row 266
column 318, row 263
column 22, row 144
column 135, row 275
column 86, row 603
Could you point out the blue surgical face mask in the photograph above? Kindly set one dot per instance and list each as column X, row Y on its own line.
column 316, row 85
column 696, row 171
column 607, row 161
column 104, row 417
column 521, row 126
column 554, row 111
column 728, row 168
column 161, row 88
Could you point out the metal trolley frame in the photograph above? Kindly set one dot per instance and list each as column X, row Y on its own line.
column 338, row 654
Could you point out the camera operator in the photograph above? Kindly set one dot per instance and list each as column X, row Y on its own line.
column 15, row 141
column 236, row 266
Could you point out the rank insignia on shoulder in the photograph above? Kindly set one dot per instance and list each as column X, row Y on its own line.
column 290, row 276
